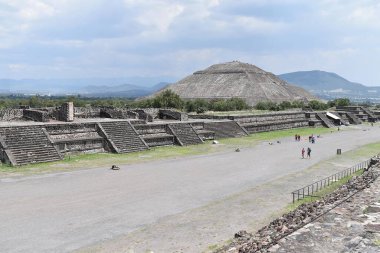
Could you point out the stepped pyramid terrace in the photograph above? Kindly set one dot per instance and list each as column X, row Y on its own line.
column 240, row 80
column 33, row 135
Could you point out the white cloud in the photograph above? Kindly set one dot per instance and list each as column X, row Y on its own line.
column 35, row 9
column 16, row 67
column 160, row 16
column 124, row 37
column 365, row 15
column 255, row 24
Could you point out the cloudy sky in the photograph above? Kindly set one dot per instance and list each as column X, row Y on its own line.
column 169, row 39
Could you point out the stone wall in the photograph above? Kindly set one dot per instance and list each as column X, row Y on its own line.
column 86, row 112
column 273, row 126
column 152, row 111
column 270, row 117
column 36, row 115
column 114, row 113
column 272, row 121
column 144, row 115
column 67, row 112
column 76, row 138
column 205, row 116
column 11, row 114
column 172, row 114
column 3, row 154
column 81, row 146
column 151, row 128
column 132, row 115
column 252, row 117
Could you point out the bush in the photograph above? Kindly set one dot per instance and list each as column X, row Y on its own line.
column 267, row 105
column 285, row 105
column 339, row 102
column 168, row 99
column 298, row 104
column 317, row 105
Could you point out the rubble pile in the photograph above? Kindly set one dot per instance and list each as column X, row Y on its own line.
column 269, row 235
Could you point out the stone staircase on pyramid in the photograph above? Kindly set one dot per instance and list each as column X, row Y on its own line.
column 185, row 134
column 325, row 121
column 225, row 129
column 353, row 119
column 27, row 144
column 122, row 137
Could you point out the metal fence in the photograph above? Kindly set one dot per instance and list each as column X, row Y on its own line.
column 309, row 190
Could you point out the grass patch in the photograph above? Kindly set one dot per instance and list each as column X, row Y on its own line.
column 235, row 113
column 253, row 139
column 107, row 159
column 325, row 191
column 213, row 247
column 365, row 151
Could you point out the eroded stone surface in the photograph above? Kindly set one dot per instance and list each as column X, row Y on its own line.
column 353, row 226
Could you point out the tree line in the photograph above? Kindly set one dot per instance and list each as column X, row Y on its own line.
column 167, row 99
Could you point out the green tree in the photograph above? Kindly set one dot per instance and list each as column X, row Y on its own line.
column 298, row 104
column 339, row 102
column 267, row 105
column 168, row 99
column 317, row 105
column 284, row 105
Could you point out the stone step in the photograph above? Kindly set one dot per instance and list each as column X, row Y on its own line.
column 225, row 129
column 29, row 145
column 185, row 134
column 124, row 136
column 325, row 120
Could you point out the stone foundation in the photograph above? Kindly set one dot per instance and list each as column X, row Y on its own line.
column 76, row 138
column 172, row 114
column 36, row 115
column 11, row 114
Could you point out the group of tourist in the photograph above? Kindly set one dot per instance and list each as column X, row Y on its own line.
column 297, row 137
column 312, row 139
column 308, row 150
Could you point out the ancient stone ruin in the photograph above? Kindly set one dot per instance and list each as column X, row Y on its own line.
column 280, row 235
column 238, row 80
column 32, row 135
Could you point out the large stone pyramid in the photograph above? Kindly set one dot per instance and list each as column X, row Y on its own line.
column 237, row 79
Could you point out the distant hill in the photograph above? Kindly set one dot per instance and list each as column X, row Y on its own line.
column 320, row 80
column 330, row 85
column 92, row 87
column 123, row 90
column 159, row 86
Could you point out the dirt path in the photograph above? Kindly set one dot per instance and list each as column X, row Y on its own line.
column 177, row 205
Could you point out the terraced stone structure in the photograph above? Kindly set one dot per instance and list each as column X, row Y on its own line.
column 272, row 122
column 359, row 112
column 27, row 144
column 239, row 80
column 123, row 131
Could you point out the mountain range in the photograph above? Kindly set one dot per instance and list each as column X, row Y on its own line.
column 326, row 85
column 91, row 87
column 329, row 85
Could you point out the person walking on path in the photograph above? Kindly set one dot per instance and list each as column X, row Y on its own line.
column 303, row 153
column 308, row 152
